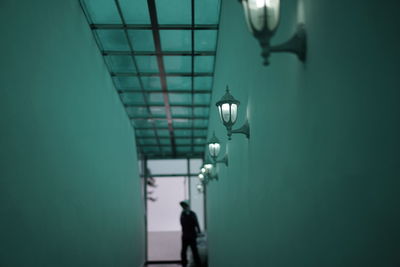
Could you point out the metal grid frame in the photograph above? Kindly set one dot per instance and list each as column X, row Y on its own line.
column 197, row 142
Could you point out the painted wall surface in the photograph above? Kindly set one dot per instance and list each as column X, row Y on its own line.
column 69, row 186
column 318, row 183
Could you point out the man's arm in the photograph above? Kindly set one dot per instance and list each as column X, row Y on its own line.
column 197, row 226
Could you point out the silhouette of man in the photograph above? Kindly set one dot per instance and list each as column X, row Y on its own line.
column 190, row 229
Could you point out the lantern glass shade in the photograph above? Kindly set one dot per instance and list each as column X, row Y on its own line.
column 273, row 8
column 256, row 15
column 225, row 113
column 201, row 177
column 228, row 113
column 261, row 14
column 233, row 113
column 214, row 148
column 228, row 107
column 203, row 170
column 208, row 166
column 200, row 188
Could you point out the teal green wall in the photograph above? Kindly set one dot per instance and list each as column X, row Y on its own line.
column 69, row 186
column 318, row 183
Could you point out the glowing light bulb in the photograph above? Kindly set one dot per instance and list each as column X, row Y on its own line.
column 233, row 113
column 200, row 188
column 208, row 166
column 226, row 112
column 261, row 3
column 257, row 4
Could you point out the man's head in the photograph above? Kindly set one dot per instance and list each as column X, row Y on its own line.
column 185, row 205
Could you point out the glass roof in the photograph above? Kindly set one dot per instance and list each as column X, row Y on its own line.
column 161, row 57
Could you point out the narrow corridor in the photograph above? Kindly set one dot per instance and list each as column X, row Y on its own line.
column 264, row 132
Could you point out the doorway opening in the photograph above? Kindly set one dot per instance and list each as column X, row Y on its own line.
column 167, row 182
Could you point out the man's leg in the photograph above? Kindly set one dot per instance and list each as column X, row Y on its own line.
column 195, row 252
column 185, row 245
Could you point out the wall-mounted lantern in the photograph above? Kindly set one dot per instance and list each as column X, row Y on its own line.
column 200, row 188
column 203, row 178
column 214, row 147
column 208, row 166
column 208, row 171
column 228, row 109
column 262, row 17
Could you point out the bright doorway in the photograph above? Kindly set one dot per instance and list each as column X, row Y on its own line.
column 168, row 183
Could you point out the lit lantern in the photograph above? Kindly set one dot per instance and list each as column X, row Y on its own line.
column 209, row 173
column 208, row 167
column 228, row 109
column 200, row 188
column 214, row 147
column 201, row 177
column 262, row 18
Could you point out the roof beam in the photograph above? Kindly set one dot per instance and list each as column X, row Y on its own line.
column 180, row 155
column 169, row 106
column 174, row 174
column 124, row 91
column 154, row 53
column 187, row 145
column 167, row 137
column 151, row 74
column 154, row 24
column 136, row 66
column 166, row 128
column 174, row 118
column 160, row 61
column 192, row 71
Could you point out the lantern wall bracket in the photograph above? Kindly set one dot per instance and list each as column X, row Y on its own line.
column 296, row 45
column 245, row 129
column 205, row 181
column 209, row 177
column 213, row 177
column 224, row 160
